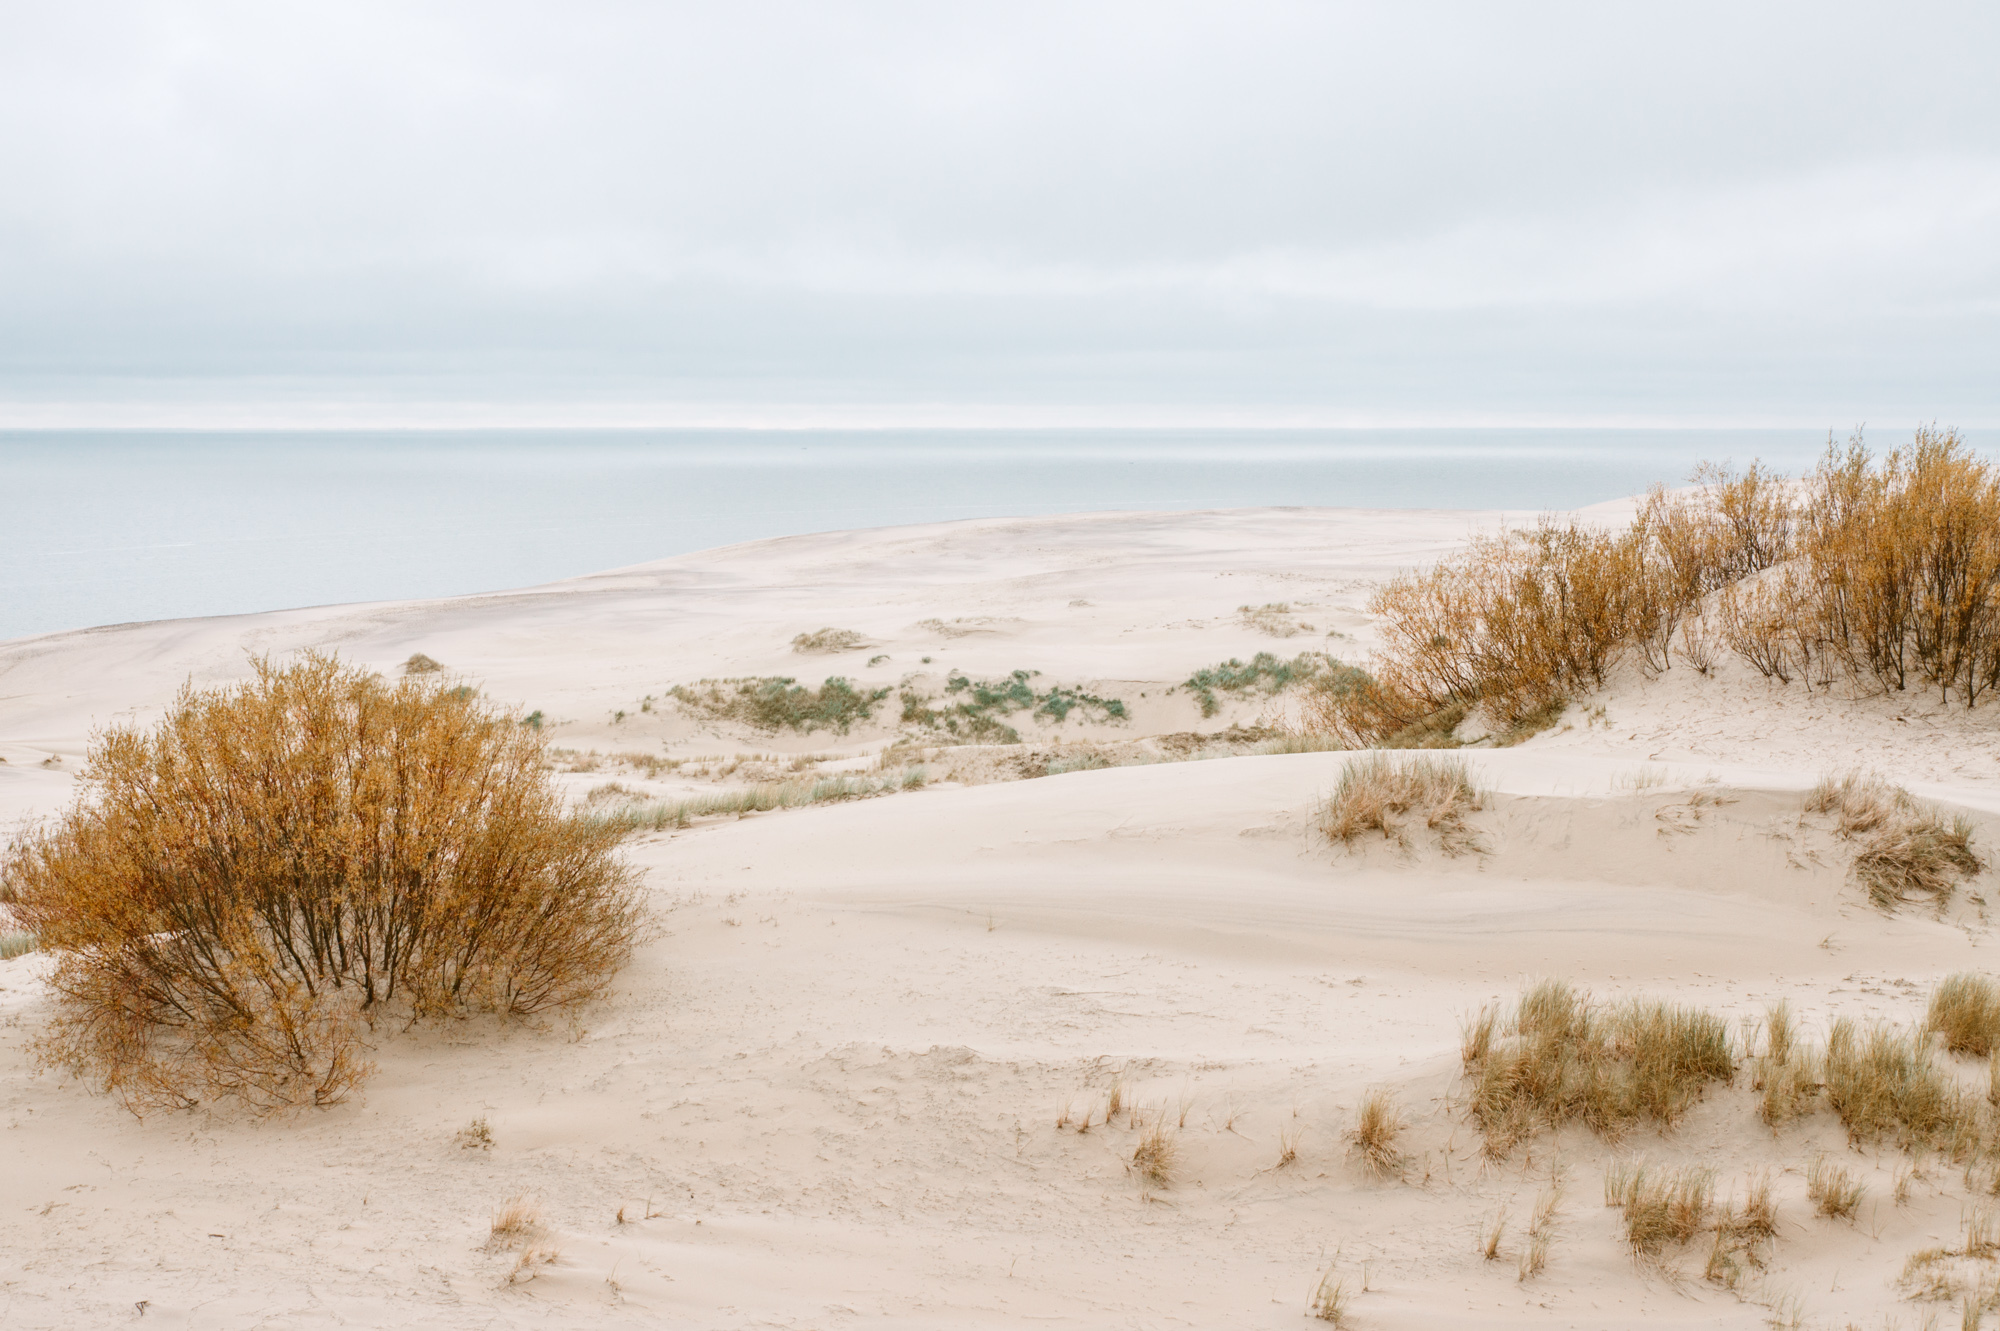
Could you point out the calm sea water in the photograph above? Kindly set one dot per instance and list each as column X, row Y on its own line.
column 111, row 527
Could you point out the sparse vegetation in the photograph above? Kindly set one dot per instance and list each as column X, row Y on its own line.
column 972, row 710
column 1965, row 1013
column 1884, row 572
column 475, row 1136
column 16, row 945
column 1904, row 848
column 1566, row 1058
column 1329, row 1302
column 828, row 642
column 1377, row 1125
column 1157, row 1154
column 1663, row 1207
column 636, row 816
column 1541, row 1230
column 1265, row 673
column 1377, row 793
column 419, row 664
column 779, row 702
column 273, row 863
column 1834, row 1193
column 1787, row 1075
column 1274, row 619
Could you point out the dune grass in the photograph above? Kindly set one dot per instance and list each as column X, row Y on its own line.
column 779, row 702
column 658, row 817
column 1158, row 1153
column 1881, row 571
column 1564, row 1058
column 1377, row 1125
column 1883, row 1081
column 828, row 642
column 1265, row 673
column 1965, row 1014
column 1378, row 793
column 1663, row 1207
column 1905, row 849
column 16, row 945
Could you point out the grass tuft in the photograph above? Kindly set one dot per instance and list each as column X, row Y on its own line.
column 827, row 642
column 1565, row 1058
column 1883, row 1080
column 1377, row 793
column 1965, row 1012
column 1904, row 849
column 1377, row 1125
column 1835, row 1193
column 1663, row 1207
column 1157, row 1154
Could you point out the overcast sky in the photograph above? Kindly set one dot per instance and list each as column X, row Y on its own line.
column 1148, row 212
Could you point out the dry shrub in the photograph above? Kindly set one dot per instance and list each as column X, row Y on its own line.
column 244, row 885
column 1884, row 1081
column 1566, row 1058
column 1904, row 848
column 1835, row 1193
column 1381, row 794
column 1663, row 1207
column 419, row 664
column 1377, row 1125
column 1965, row 1012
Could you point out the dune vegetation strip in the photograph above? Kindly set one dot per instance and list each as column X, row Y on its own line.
column 640, row 815
column 1883, row 573
column 974, row 710
column 780, row 702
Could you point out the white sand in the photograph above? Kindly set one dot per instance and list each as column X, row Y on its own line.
column 827, row 1093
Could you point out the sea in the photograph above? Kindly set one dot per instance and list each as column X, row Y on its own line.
column 111, row 527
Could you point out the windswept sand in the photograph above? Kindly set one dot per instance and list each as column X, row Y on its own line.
column 827, row 1093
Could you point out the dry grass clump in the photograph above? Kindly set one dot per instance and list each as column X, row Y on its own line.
column 1904, row 848
column 245, row 884
column 1157, row 1154
column 1541, row 1231
column 827, row 642
column 518, row 1226
column 1883, row 1081
column 1938, row 1274
column 419, row 664
column 1663, row 1207
column 1965, row 1013
column 476, row 1135
column 1565, row 1058
column 1743, row 1235
column 1329, row 1302
column 1835, row 1193
column 1377, row 1125
column 1381, row 794
column 1787, row 1074
column 15, row 945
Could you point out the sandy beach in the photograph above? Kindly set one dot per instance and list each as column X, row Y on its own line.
column 842, row 1082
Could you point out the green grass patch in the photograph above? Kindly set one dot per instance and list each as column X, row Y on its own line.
column 1266, row 673
column 779, row 702
column 973, row 709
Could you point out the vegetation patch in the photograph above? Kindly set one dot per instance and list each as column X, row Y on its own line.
column 1904, row 848
column 16, row 945
column 1265, row 673
column 272, row 865
column 1274, row 619
column 1884, row 1081
column 1381, row 794
column 779, row 702
column 1564, row 1058
column 637, row 815
column 972, row 710
column 827, row 642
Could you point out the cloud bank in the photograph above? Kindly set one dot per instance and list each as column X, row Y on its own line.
column 882, row 213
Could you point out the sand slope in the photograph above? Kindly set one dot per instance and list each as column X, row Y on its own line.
column 827, row 1093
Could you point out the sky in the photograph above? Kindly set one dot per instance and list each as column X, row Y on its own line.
column 875, row 213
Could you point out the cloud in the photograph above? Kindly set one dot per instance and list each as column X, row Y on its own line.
column 1400, row 209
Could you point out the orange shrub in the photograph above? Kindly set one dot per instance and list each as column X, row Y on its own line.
column 274, row 864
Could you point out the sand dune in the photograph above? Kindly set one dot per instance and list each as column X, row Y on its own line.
column 828, row 1092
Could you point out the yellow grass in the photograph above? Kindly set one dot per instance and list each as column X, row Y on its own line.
column 1566, row 1058
column 1393, row 796
column 1904, row 848
column 1663, row 1207
column 1965, row 1014
column 1377, row 1125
